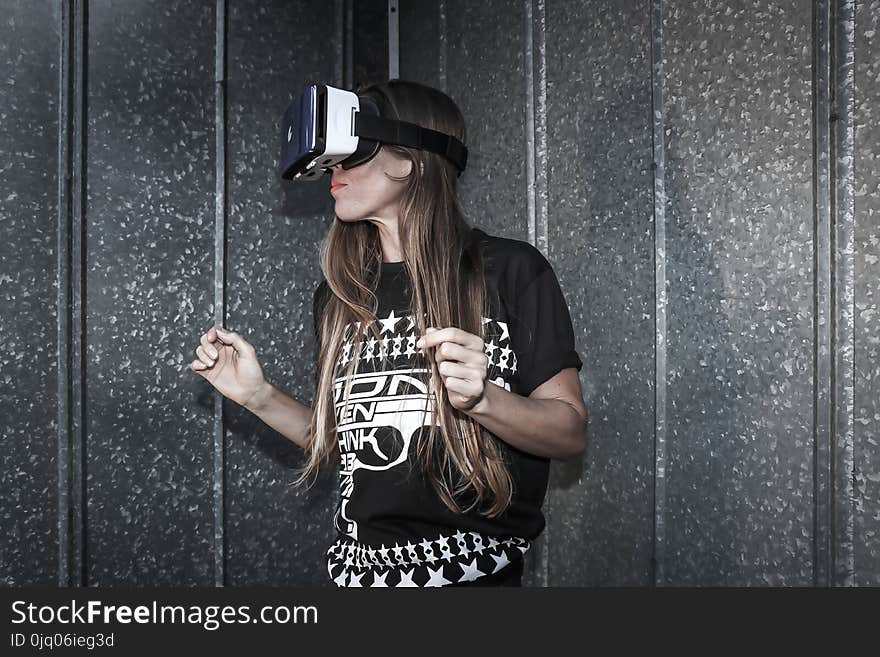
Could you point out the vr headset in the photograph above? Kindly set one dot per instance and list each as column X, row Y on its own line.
column 326, row 126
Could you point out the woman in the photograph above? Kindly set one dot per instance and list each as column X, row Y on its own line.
column 443, row 401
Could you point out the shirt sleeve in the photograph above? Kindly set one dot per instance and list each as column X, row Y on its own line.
column 541, row 331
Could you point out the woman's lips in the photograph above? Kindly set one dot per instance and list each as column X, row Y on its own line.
column 333, row 188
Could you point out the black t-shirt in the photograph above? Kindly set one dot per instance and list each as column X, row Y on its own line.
column 393, row 529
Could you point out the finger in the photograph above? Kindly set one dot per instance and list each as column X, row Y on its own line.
column 461, row 386
column 459, row 371
column 238, row 343
column 207, row 346
column 197, row 366
column 434, row 337
column 207, row 360
column 450, row 351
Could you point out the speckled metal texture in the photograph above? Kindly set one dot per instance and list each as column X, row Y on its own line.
column 866, row 380
column 739, row 252
column 149, row 232
column 600, row 243
column 29, row 372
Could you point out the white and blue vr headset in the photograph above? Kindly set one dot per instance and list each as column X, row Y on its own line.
column 326, row 126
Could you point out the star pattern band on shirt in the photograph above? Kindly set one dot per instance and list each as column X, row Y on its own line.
column 445, row 560
column 401, row 342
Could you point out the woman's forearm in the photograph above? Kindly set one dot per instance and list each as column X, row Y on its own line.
column 546, row 427
column 283, row 413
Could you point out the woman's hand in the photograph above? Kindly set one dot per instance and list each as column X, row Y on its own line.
column 462, row 363
column 229, row 363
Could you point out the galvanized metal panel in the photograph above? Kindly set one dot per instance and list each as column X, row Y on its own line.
column 601, row 243
column 484, row 76
column 739, row 273
column 149, row 232
column 29, row 323
column 866, row 380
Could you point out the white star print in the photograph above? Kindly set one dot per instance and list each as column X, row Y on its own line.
column 378, row 564
column 504, row 334
column 379, row 580
column 369, row 348
column 406, row 579
column 443, row 543
column 505, row 354
column 500, row 561
column 428, row 549
column 470, row 572
column 462, row 544
column 436, row 578
column 413, row 555
column 490, row 350
column 389, row 322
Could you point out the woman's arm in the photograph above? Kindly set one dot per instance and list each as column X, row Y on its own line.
column 549, row 426
column 286, row 415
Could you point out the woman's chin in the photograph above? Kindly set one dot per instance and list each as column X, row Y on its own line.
column 347, row 218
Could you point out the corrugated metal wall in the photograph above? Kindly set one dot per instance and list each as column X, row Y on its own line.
column 703, row 179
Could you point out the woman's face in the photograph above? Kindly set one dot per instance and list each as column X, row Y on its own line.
column 366, row 192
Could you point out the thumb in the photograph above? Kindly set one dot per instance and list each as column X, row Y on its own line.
column 430, row 329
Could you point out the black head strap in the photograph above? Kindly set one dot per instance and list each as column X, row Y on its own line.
column 403, row 133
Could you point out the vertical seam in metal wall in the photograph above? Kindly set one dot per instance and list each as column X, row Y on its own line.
column 842, row 291
column 659, row 167
column 393, row 40
column 79, row 329
column 339, row 64
column 539, row 87
column 66, row 101
column 822, row 439
column 535, row 67
column 348, row 49
column 530, row 131
column 219, row 481
column 78, row 516
column 80, row 549
column 441, row 54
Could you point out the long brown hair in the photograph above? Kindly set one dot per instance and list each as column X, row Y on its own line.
column 445, row 266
